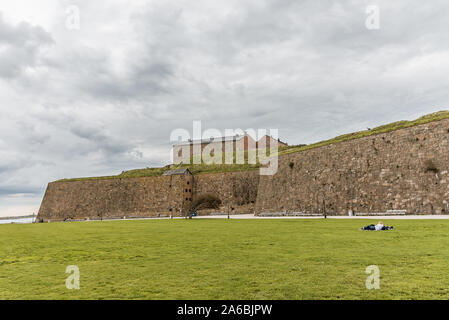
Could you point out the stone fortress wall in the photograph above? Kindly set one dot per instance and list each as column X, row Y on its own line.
column 112, row 198
column 146, row 196
column 406, row 169
column 236, row 190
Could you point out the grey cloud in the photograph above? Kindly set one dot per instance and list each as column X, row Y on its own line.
column 19, row 47
column 105, row 98
column 19, row 190
column 92, row 76
column 99, row 140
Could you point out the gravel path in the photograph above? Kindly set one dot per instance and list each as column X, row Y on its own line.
column 399, row 217
column 250, row 216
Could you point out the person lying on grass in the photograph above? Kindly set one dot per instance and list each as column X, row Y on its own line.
column 378, row 227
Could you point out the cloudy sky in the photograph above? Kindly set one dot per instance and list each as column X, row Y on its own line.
column 102, row 96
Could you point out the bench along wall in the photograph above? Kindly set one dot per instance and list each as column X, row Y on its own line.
column 236, row 190
column 114, row 198
column 404, row 169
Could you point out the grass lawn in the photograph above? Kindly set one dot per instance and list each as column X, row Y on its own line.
column 225, row 259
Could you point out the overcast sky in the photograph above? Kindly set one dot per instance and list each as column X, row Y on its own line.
column 104, row 98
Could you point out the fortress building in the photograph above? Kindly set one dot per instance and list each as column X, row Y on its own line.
column 184, row 151
column 401, row 167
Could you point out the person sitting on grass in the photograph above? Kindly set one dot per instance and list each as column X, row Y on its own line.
column 378, row 227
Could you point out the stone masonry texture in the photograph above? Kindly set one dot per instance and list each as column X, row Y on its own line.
column 405, row 169
column 146, row 196
column 113, row 198
column 236, row 190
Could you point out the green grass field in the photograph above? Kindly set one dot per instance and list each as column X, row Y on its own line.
column 225, row 259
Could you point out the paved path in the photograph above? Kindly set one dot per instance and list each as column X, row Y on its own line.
column 250, row 216
column 399, row 217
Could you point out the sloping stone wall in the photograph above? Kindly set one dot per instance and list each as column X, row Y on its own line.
column 404, row 169
column 236, row 190
column 113, row 198
column 146, row 197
